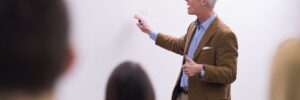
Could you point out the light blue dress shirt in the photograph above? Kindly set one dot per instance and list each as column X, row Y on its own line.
column 200, row 30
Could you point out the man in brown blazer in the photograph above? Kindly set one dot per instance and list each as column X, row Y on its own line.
column 209, row 50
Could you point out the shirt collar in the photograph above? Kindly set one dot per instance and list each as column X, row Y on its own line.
column 206, row 23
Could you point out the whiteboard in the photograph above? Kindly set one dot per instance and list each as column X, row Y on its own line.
column 103, row 34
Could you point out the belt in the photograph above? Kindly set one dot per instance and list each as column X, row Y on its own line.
column 183, row 90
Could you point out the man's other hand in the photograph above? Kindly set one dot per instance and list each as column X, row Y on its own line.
column 191, row 68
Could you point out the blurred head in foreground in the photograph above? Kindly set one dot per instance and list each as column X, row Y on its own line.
column 129, row 82
column 34, row 47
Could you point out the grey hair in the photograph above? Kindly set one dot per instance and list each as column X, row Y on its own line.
column 212, row 3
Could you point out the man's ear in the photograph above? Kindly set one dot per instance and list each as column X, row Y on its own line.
column 69, row 60
column 204, row 2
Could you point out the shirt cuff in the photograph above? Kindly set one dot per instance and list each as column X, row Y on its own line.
column 202, row 73
column 153, row 35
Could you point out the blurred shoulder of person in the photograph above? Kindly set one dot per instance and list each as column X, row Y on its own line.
column 285, row 83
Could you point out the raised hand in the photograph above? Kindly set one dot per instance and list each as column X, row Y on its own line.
column 143, row 25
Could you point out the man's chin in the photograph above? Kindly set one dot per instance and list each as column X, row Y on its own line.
column 190, row 13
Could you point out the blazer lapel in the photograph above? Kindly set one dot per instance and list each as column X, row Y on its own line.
column 191, row 32
column 207, row 36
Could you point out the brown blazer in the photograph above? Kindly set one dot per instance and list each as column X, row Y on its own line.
column 220, row 61
column 285, row 84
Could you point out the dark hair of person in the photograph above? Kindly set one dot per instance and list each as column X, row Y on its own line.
column 129, row 82
column 33, row 44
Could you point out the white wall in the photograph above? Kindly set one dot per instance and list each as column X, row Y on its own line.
column 104, row 34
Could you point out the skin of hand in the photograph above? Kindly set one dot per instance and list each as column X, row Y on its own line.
column 191, row 68
column 144, row 27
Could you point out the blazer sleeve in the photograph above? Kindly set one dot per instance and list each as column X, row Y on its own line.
column 171, row 43
column 226, row 61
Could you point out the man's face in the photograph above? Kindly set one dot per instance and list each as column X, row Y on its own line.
column 195, row 6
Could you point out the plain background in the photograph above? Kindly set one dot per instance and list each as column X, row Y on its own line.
column 104, row 34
